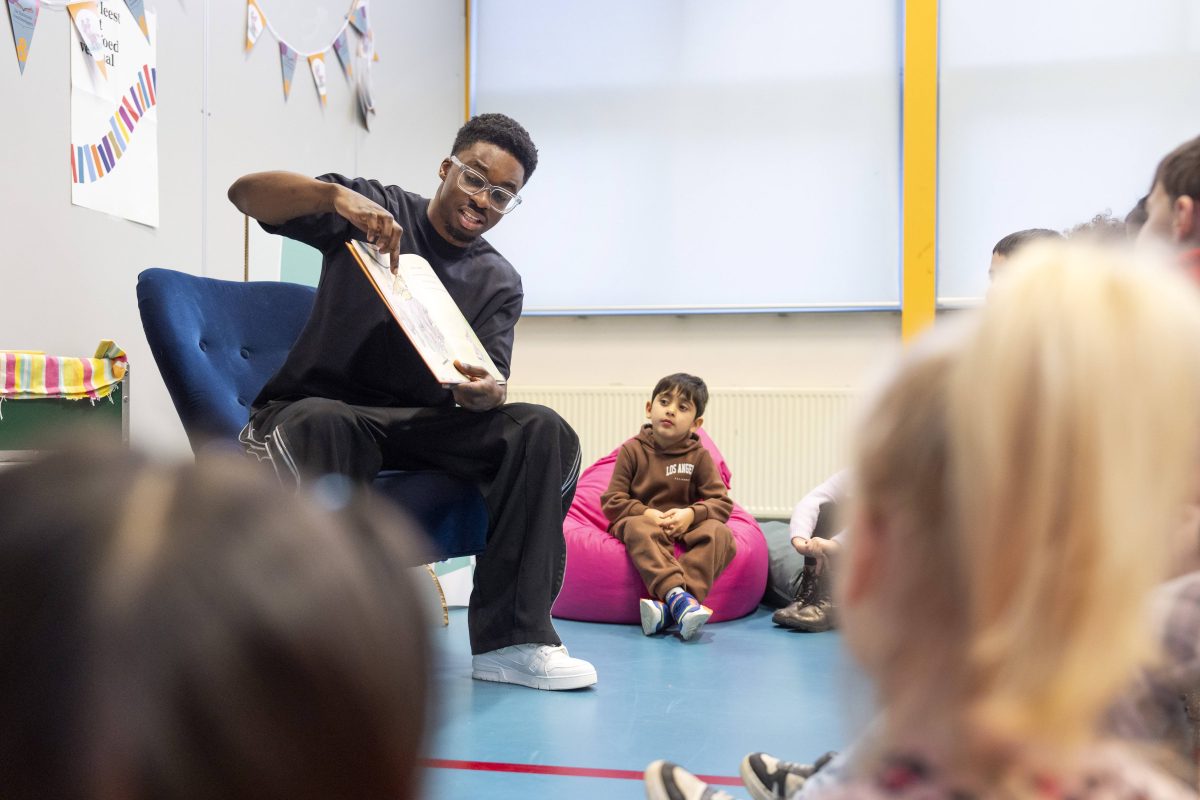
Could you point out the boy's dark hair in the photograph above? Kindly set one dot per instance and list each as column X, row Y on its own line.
column 1137, row 217
column 502, row 131
column 689, row 387
column 1014, row 241
column 1179, row 171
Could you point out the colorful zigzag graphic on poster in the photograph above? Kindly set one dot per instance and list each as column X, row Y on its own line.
column 91, row 162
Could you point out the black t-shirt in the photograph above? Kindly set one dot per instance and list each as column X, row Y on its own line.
column 351, row 349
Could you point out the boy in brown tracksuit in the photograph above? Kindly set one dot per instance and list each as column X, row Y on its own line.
column 665, row 488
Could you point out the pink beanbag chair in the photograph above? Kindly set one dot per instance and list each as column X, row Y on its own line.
column 601, row 584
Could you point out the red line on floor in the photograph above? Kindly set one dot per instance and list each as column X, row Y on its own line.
column 546, row 769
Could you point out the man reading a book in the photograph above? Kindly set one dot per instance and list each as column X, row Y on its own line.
column 354, row 396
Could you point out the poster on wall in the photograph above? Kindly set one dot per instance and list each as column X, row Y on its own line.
column 114, row 116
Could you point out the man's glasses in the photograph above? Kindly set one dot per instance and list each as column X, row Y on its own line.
column 473, row 183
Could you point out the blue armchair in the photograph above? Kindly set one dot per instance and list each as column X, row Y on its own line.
column 217, row 342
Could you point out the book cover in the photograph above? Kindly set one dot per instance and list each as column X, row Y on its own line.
column 426, row 312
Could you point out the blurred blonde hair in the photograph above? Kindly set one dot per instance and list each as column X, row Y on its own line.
column 1031, row 465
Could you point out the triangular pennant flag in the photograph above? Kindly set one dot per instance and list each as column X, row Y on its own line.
column 358, row 16
column 316, row 63
column 342, row 48
column 23, row 15
column 362, row 93
column 255, row 22
column 87, row 22
column 138, row 9
column 287, row 57
column 366, row 47
column 362, row 81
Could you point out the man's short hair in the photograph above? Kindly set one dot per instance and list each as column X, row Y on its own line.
column 1179, row 171
column 1019, row 239
column 689, row 387
column 502, row 131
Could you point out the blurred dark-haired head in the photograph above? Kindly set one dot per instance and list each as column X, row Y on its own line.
column 195, row 631
column 1010, row 244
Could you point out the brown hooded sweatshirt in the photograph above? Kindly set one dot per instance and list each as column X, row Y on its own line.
column 647, row 476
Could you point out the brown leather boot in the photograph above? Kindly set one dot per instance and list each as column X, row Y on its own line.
column 813, row 610
column 806, row 586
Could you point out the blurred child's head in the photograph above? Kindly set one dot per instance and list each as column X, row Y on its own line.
column 676, row 408
column 1013, row 472
column 1010, row 244
column 1136, row 218
column 195, row 631
column 1102, row 229
column 1171, row 205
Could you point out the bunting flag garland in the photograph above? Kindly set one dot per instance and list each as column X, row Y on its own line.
column 358, row 16
column 255, row 22
column 353, row 61
column 87, row 22
column 287, row 57
column 342, row 48
column 138, row 9
column 91, row 162
column 23, row 15
column 316, row 63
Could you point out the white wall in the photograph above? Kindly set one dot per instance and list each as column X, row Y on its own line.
column 744, row 351
column 88, row 262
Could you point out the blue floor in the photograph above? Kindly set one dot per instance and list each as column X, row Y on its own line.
column 740, row 686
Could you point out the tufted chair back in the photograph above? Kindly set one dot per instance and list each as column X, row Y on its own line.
column 217, row 342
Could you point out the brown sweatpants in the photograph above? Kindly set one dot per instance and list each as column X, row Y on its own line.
column 708, row 549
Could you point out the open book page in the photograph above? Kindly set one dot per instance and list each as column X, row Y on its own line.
column 427, row 314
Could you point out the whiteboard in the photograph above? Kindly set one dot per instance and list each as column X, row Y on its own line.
column 700, row 155
column 1051, row 113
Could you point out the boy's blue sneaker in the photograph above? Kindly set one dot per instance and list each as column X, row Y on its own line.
column 654, row 617
column 688, row 612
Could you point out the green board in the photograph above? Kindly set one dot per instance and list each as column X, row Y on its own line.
column 42, row 423
column 299, row 263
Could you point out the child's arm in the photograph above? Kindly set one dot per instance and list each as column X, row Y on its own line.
column 713, row 502
column 804, row 517
column 616, row 501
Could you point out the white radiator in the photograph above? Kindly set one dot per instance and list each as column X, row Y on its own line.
column 779, row 443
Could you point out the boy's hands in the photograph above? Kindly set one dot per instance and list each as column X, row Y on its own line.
column 677, row 521
column 653, row 515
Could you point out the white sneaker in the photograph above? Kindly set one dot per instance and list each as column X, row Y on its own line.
column 538, row 666
column 693, row 619
column 688, row 612
column 655, row 618
column 666, row 781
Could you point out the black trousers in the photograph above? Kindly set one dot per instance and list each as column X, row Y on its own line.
column 525, row 459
